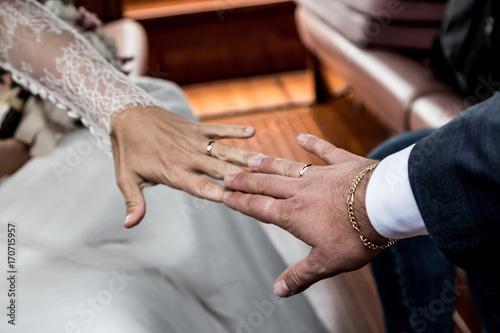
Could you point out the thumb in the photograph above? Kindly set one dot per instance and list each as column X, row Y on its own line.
column 134, row 201
column 297, row 278
column 323, row 149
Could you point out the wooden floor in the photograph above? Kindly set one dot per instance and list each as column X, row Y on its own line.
column 280, row 107
column 251, row 95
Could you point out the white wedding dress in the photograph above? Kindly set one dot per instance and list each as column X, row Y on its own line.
column 191, row 265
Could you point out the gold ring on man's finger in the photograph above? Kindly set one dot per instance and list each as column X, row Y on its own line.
column 304, row 168
column 209, row 148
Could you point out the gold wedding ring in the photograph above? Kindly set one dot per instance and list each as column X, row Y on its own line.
column 304, row 170
column 209, row 148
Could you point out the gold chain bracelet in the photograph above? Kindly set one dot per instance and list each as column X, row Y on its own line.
column 352, row 218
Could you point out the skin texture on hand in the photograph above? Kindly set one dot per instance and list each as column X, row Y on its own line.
column 153, row 146
column 312, row 208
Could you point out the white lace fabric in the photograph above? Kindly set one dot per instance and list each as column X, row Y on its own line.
column 51, row 59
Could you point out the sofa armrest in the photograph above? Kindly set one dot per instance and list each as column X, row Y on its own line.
column 403, row 92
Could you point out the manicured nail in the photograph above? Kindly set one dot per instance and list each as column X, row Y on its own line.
column 228, row 179
column 281, row 289
column 128, row 219
column 254, row 161
column 302, row 138
column 249, row 130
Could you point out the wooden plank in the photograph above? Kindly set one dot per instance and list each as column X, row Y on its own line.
column 298, row 85
column 240, row 96
column 260, row 93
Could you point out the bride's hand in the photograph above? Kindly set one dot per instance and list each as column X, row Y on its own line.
column 153, row 146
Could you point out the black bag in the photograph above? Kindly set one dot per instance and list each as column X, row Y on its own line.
column 469, row 48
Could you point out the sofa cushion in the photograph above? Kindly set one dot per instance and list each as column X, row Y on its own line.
column 391, row 23
column 388, row 82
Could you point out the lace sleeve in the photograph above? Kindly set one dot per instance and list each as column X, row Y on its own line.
column 51, row 59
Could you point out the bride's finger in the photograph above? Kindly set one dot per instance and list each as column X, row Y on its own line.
column 202, row 187
column 130, row 186
column 278, row 166
column 215, row 168
column 220, row 131
column 229, row 153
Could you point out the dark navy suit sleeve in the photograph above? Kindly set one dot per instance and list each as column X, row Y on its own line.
column 455, row 178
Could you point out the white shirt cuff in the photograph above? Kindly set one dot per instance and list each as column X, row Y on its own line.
column 390, row 204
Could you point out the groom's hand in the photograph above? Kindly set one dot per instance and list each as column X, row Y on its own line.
column 153, row 146
column 313, row 208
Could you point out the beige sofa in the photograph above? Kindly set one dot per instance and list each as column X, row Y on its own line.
column 362, row 41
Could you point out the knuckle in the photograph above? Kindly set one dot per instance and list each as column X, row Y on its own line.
column 306, row 183
column 258, row 204
column 203, row 188
column 218, row 130
column 130, row 204
column 290, row 210
column 255, row 203
column 172, row 176
column 296, row 281
column 303, row 275
column 222, row 151
column 218, row 169
column 265, row 184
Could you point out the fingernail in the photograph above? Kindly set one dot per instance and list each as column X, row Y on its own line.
column 254, row 161
column 281, row 289
column 128, row 219
column 302, row 138
column 228, row 179
column 249, row 129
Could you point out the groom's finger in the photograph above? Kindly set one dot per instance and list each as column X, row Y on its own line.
column 230, row 154
column 297, row 278
column 278, row 166
column 275, row 186
column 323, row 149
column 262, row 208
column 214, row 167
column 219, row 131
